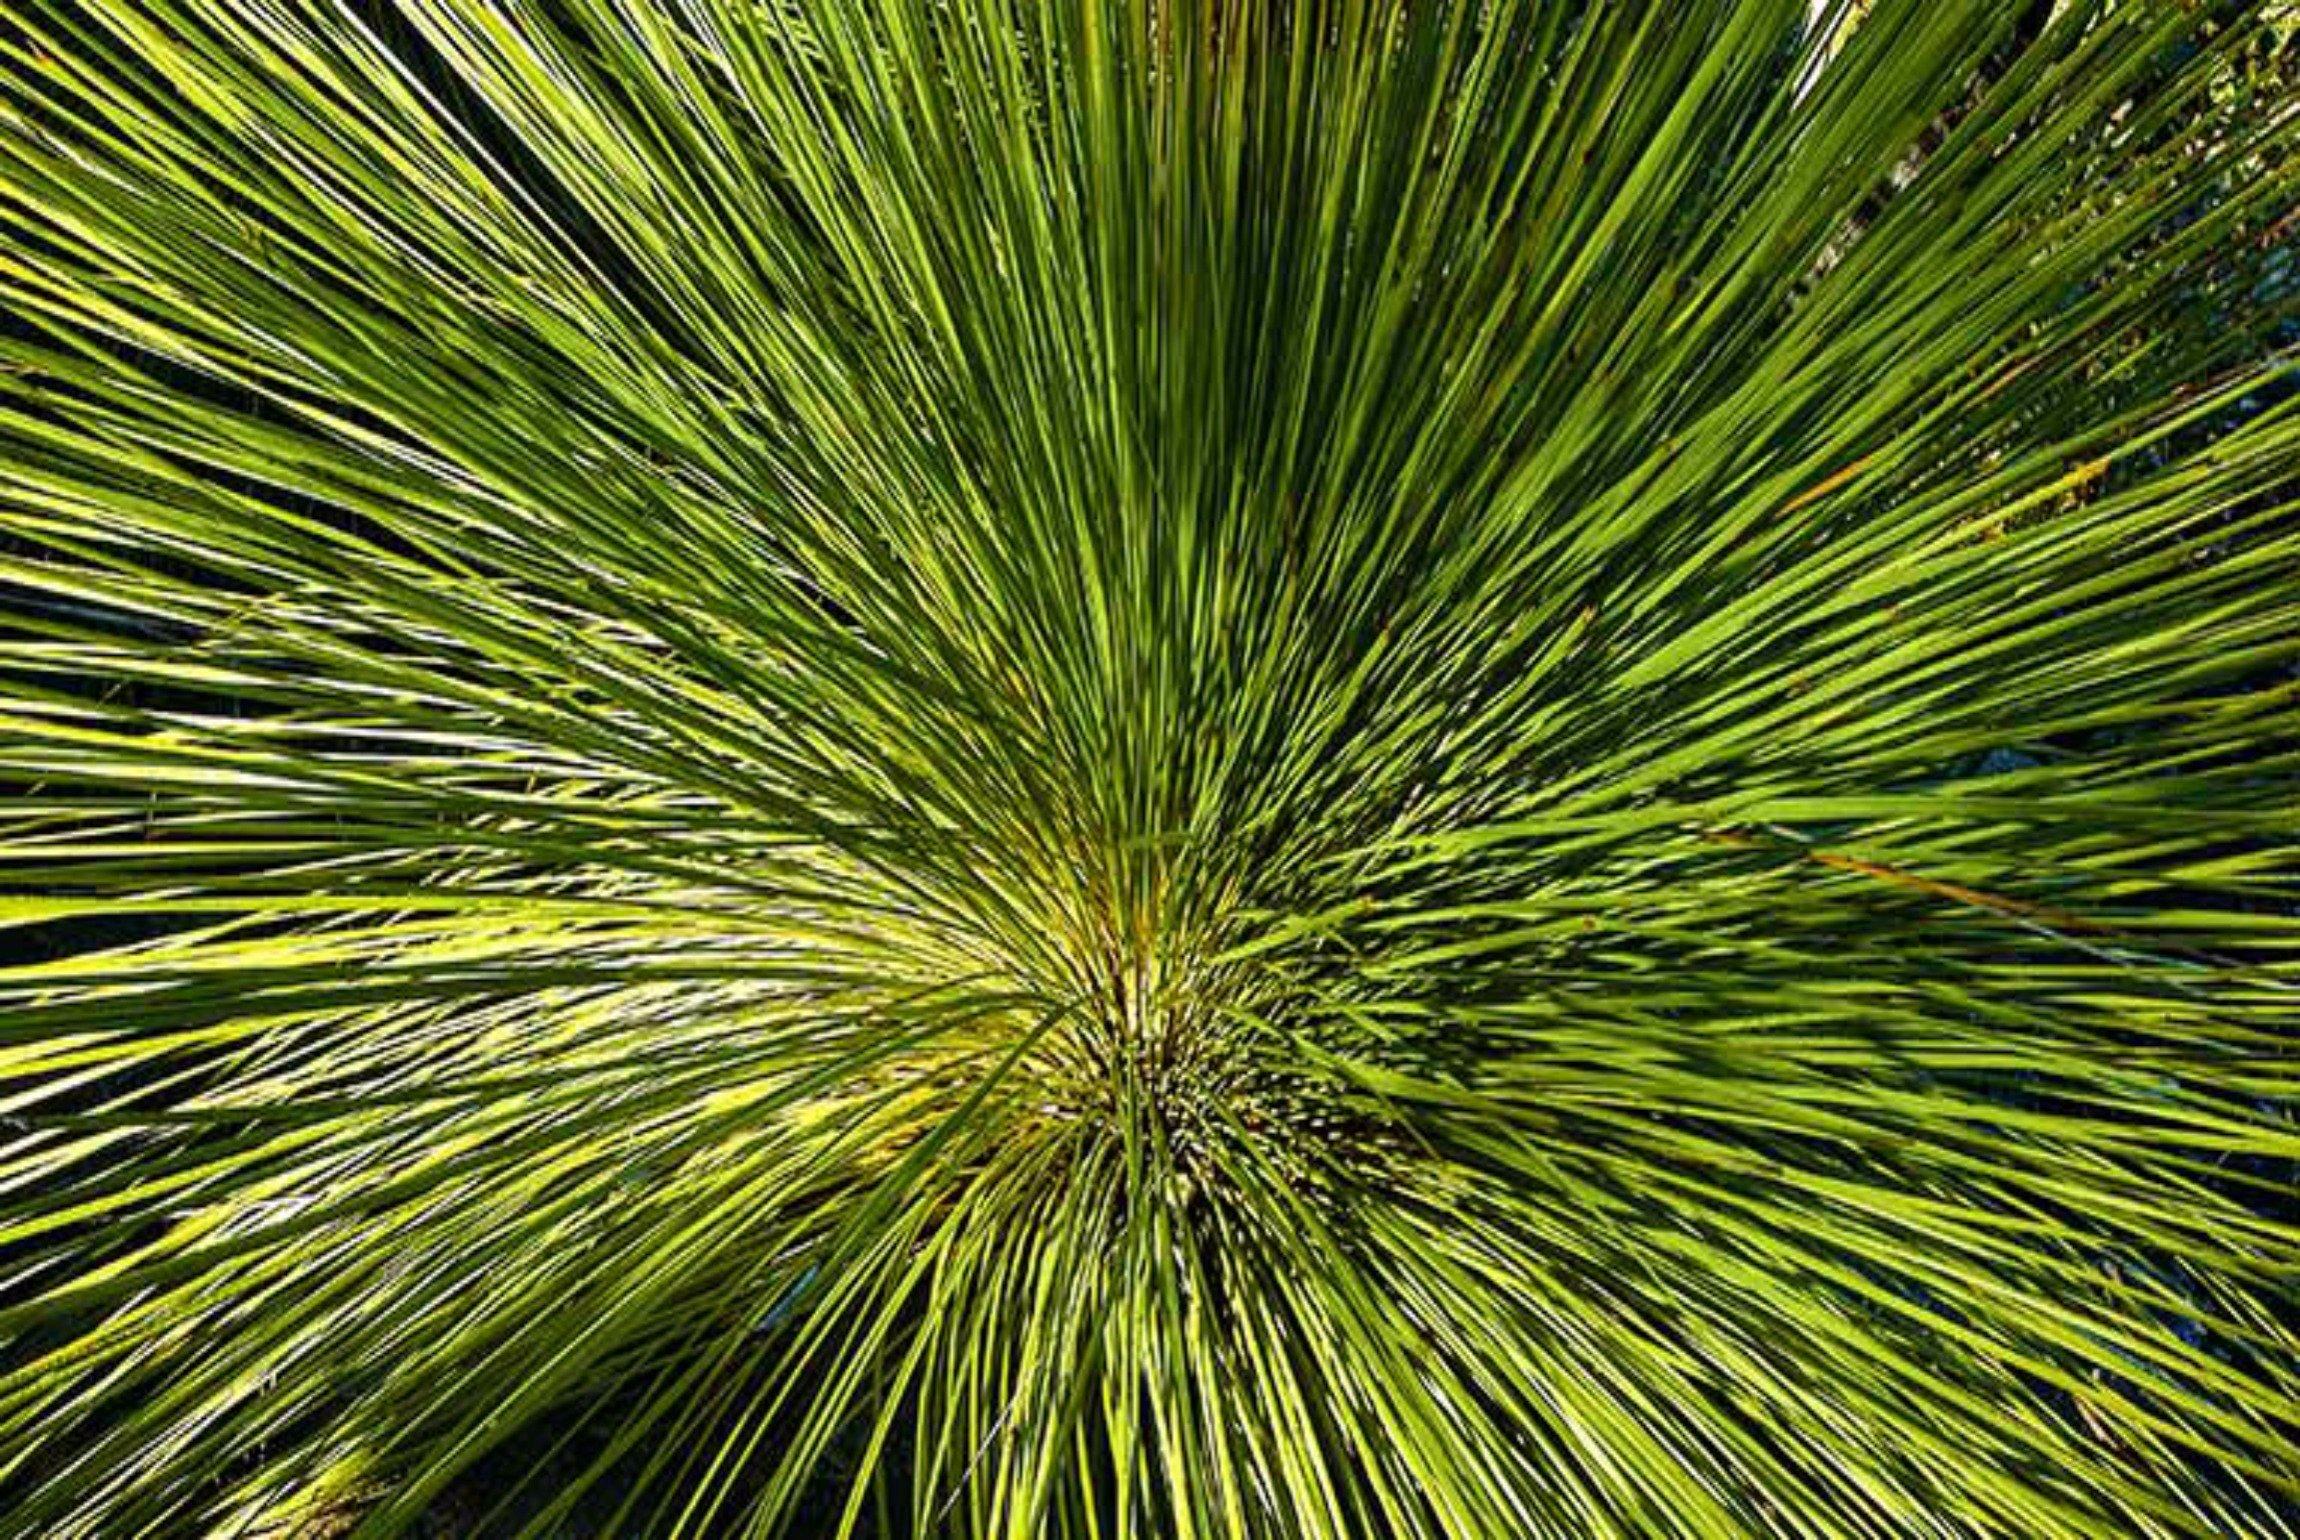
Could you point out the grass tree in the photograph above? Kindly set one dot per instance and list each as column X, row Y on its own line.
column 1136, row 768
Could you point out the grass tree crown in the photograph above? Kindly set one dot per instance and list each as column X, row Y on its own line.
column 1138, row 768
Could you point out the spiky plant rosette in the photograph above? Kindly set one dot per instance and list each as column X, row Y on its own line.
column 1149, row 768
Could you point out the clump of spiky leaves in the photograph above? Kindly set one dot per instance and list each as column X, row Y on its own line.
column 1141, row 767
